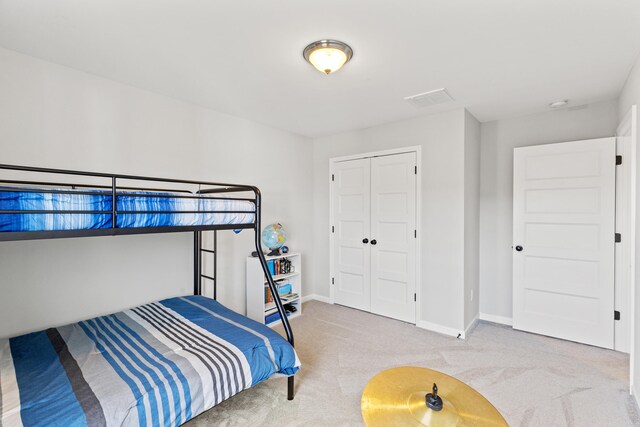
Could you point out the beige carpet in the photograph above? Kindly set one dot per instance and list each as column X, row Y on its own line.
column 531, row 379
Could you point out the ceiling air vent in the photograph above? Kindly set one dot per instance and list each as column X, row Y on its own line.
column 427, row 99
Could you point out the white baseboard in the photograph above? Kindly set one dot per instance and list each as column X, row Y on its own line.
column 445, row 330
column 497, row 319
column 472, row 325
column 635, row 395
column 315, row 297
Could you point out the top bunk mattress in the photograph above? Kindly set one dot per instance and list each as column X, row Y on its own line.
column 159, row 364
column 52, row 211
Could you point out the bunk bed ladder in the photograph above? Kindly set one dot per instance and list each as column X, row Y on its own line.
column 198, row 275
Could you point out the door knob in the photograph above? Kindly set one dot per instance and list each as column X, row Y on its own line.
column 519, row 248
column 365, row 240
column 374, row 242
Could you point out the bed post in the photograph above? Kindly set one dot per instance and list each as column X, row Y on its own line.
column 197, row 262
column 215, row 265
column 272, row 285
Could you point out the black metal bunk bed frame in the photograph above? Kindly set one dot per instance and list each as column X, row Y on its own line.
column 200, row 194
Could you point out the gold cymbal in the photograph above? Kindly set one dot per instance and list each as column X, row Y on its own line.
column 396, row 397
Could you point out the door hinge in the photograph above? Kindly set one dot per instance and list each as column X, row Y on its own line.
column 616, row 315
column 333, row 229
column 333, row 177
column 415, row 234
column 618, row 237
column 415, row 170
column 618, row 160
column 415, row 298
column 333, row 281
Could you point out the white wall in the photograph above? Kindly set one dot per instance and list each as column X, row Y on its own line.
column 498, row 139
column 442, row 224
column 471, row 218
column 54, row 116
column 631, row 96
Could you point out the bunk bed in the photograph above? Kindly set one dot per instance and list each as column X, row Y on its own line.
column 161, row 363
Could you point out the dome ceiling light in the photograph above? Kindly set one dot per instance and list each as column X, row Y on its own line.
column 328, row 56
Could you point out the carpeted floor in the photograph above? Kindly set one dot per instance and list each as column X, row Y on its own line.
column 531, row 379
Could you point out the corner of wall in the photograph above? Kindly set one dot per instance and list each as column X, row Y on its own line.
column 630, row 93
column 471, row 220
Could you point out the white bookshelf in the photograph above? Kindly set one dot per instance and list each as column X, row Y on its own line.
column 257, row 308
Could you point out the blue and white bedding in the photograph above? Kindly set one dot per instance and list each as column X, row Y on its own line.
column 159, row 364
column 101, row 201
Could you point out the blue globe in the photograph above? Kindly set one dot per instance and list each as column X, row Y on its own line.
column 274, row 236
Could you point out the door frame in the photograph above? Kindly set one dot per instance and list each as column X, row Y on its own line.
column 626, row 198
column 627, row 189
column 417, row 149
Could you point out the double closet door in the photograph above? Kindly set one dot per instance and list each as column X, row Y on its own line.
column 374, row 234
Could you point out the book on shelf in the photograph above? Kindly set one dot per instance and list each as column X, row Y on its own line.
column 284, row 288
column 274, row 315
column 280, row 266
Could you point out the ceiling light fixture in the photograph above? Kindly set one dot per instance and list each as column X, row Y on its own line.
column 559, row 104
column 328, row 56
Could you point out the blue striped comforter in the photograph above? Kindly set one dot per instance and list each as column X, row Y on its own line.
column 21, row 200
column 159, row 364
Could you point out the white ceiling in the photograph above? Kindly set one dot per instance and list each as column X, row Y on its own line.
column 498, row 58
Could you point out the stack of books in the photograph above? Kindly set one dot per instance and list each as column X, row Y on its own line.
column 288, row 297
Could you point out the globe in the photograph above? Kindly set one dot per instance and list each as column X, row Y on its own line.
column 273, row 237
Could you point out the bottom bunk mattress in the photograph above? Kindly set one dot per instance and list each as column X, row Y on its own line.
column 159, row 364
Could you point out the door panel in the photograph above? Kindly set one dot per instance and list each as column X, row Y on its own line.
column 393, row 220
column 563, row 218
column 351, row 213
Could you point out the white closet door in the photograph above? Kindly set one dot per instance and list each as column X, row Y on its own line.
column 563, row 238
column 351, row 213
column 393, row 242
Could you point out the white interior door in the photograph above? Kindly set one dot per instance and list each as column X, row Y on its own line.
column 393, row 239
column 563, row 238
column 352, row 222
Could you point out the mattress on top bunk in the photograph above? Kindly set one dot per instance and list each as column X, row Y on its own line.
column 157, row 364
column 23, row 199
